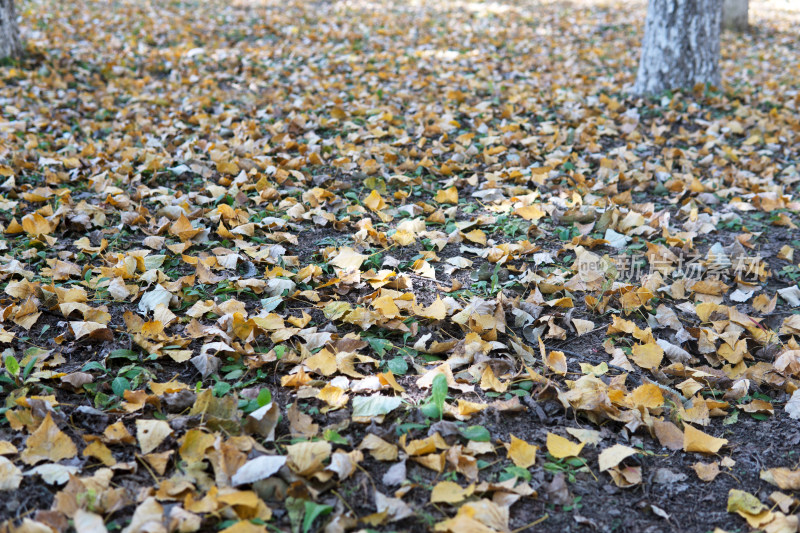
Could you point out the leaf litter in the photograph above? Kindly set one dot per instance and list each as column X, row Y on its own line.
column 289, row 266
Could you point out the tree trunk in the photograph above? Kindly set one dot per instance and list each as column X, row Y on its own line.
column 10, row 44
column 681, row 45
column 734, row 15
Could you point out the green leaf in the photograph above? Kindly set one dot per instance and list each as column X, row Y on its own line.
column 102, row 400
column 331, row 435
column 221, row 388
column 439, row 390
column 12, row 365
column 514, row 471
column 375, row 405
column 314, row 511
column 398, row 365
column 731, row 419
column 476, row 433
column 29, row 368
column 124, row 354
column 431, row 410
column 120, row 385
column 435, row 406
column 264, row 397
column 93, row 365
column 380, row 346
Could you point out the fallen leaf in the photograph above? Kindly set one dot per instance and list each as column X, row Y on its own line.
column 559, row 447
column 48, row 443
column 695, row 440
column 151, row 433
column 10, row 475
column 449, row 492
column 707, row 471
column 611, row 457
column 257, row 469
column 783, row 478
column 521, row 453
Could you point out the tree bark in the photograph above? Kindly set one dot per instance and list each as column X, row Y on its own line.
column 681, row 45
column 10, row 44
column 734, row 15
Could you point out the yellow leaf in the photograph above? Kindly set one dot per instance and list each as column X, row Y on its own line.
column 648, row 355
column 159, row 461
column 334, row 396
column 48, row 443
column 436, row 311
column 783, row 478
column 432, row 461
column 620, row 325
column 695, row 440
column 387, row 378
column 151, row 433
column 706, row 471
column 748, row 507
column 521, row 453
column 424, row 269
column 594, row 370
column 10, row 475
column 6, row 448
column 647, row 395
column 565, row 302
column 710, row 286
column 588, row 436
column 582, row 326
column 306, row 458
column 323, row 362
column 374, row 201
column 35, row 225
column 116, row 433
column 420, row 446
column 704, row 310
column 160, row 389
column 626, row 476
column 447, row 196
column 403, row 238
column 450, row 492
column 99, row 451
column 379, row 448
column 490, row 382
column 348, row 259
column 477, row 236
column 763, row 304
column 611, row 457
column 557, row 362
column 530, row 212
column 467, row 408
column 194, row 445
column 559, row 447
column 786, row 253
column 385, row 304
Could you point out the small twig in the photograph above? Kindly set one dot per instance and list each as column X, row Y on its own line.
column 344, row 502
column 534, row 523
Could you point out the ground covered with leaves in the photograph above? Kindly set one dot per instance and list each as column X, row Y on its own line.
column 391, row 266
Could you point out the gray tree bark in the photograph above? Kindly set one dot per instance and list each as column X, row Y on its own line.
column 681, row 45
column 735, row 14
column 10, row 44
